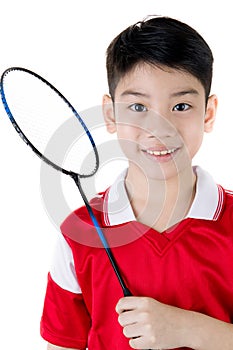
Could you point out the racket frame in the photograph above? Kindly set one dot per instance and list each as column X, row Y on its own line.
column 75, row 176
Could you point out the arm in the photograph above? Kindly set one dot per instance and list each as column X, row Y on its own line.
column 65, row 319
column 159, row 326
column 54, row 347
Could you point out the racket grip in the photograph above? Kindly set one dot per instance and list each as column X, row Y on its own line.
column 127, row 292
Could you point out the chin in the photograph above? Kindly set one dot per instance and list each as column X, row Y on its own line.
column 162, row 174
column 166, row 172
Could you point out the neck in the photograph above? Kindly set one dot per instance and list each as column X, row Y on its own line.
column 161, row 203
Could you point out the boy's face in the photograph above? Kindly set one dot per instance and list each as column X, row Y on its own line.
column 160, row 116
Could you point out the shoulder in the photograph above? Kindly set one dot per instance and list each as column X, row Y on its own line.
column 226, row 212
column 229, row 193
column 228, row 199
column 79, row 222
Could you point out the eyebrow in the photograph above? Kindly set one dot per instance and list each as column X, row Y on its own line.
column 135, row 93
column 184, row 92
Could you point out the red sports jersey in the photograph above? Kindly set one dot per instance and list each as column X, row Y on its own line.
column 189, row 266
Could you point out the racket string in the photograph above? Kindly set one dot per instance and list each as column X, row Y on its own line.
column 48, row 121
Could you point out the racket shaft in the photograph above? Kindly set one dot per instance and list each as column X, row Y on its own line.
column 101, row 235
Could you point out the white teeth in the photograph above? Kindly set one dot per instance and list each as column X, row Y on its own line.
column 161, row 153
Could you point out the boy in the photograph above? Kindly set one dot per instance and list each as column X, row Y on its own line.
column 178, row 262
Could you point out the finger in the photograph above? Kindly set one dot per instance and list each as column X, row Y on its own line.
column 136, row 343
column 141, row 343
column 127, row 303
column 132, row 331
column 127, row 318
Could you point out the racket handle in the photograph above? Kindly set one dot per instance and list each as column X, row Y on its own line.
column 127, row 292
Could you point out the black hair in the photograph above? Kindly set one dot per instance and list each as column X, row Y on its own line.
column 162, row 42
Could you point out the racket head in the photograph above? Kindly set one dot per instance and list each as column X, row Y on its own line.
column 15, row 77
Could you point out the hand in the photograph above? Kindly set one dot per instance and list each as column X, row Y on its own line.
column 150, row 324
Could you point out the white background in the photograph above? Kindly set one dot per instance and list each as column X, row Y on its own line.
column 65, row 41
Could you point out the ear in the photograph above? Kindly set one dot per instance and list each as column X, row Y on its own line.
column 210, row 114
column 108, row 112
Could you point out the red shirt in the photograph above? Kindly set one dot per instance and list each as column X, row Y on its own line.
column 190, row 266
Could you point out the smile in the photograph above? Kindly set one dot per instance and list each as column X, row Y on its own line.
column 161, row 153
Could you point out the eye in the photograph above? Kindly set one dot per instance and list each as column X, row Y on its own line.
column 181, row 107
column 138, row 107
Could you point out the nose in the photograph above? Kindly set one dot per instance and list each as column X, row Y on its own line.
column 156, row 125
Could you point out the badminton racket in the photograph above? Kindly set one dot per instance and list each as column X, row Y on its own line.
column 37, row 110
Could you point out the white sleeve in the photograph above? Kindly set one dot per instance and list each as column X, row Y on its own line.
column 62, row 270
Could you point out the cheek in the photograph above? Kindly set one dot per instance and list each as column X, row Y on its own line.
column 193, row 136
column 128, row 141
column 127, row 133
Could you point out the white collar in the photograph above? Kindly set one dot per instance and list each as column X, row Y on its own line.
column 207, row 204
